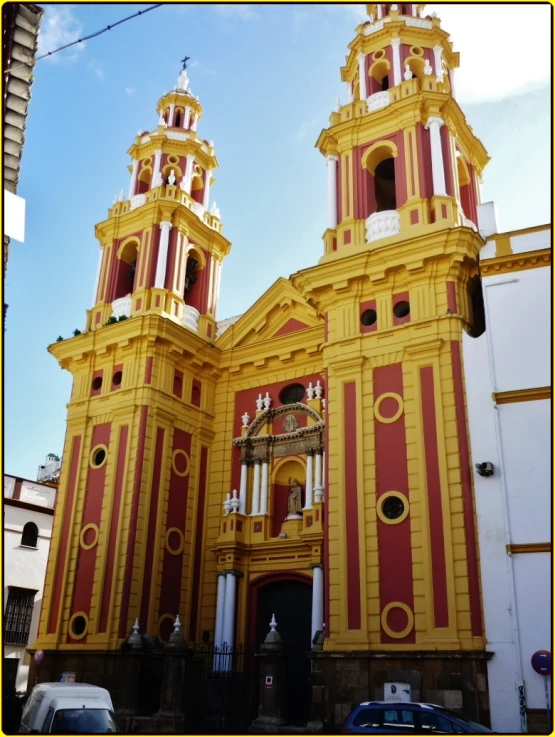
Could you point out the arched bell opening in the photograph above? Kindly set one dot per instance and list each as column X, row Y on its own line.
column 143, row 180
column 465, row 190
column 197, row 185
column 475, row 295
column 416, row 66
column 382, row 185
column 126, row 264
column 195, row 273
column 178, row 120
column 379, row 76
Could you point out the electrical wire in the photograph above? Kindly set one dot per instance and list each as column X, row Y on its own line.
column 87, row 38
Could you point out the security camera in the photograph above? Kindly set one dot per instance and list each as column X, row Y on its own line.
column 485, row 469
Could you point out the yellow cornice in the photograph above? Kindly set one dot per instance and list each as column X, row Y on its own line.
column 469, row 143
column 521, row 231
column 193, row 144
column 179, row 100
column 529, row 548
column 516, row 262
column 522, row 395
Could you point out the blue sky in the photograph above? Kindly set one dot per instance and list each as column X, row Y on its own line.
column 267, row 77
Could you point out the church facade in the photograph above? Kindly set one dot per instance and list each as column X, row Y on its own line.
column 310, row 458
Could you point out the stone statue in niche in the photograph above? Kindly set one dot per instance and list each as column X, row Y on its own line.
column 294, row 500
column 290, row 423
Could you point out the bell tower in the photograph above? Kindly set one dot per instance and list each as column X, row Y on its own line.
column 398, row 284
column 128, row 529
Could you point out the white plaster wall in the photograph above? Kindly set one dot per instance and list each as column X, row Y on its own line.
column 518, row 320
column 42, row 496
column 9, row 484
column 493, row 536
column 526, row 446
column 532, row 579
column 25, row 567
column 520, row 243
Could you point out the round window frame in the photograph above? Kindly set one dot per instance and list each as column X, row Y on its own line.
column 397, row 305
column 84, row 530
column 94, row 451
column 378, row 55
column 389, row 495
column 374, row 321
column 290, row 387
column 117, row 383
column 417, row 51
column 183, row 453
column 71, row 623
column 99, row 387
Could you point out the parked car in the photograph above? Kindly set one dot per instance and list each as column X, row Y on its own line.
column 68, row 708
column 387, row 717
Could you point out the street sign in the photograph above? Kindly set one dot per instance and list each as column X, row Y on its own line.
column 396, row 692
column 38, row 657
column 542, row 662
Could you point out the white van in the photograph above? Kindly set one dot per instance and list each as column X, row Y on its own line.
column 68, row 708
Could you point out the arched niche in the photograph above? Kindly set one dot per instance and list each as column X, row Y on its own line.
column 126, row 263
column 195, row 276
column 379, row 162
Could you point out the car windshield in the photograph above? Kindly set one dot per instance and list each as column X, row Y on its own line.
column 83, row 721
column 474, row 726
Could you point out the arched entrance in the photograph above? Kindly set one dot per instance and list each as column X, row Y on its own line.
column 289, row 598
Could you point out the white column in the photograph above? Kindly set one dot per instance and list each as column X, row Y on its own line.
column 438, row 50
column 243, row 488
column 362, row 76
column 165, row 227
column 438, row 172
column 133, row 179
column 318, row 491
column 264, row 489
column 308, row 490
column 206, row 188
column 156, row 167
column 414, row 10
column 349, row 92
column 323, row 470
column 379, row 11
column 229, row 610
column 195, row 122
column 396, row 47
column 256, row 489
column 170, row 116
column 317, row 600
column 452, row 82
column 187, row 117
column 220, row 605
column 189, row 173
column 331, row 163
column 97, row 279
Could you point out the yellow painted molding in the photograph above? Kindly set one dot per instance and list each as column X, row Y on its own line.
column 84, row 531
column 410, row 616
column 71, row 623
column 516, row 262
column 522, row 395
column 385, row 497
column 398, row 413
column 93, row 453
column 187, row 463
column 529, row 548
column 179, row 549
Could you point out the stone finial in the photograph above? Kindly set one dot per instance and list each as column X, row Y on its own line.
column 183, row 184
column 161, row 120
column 157, row 181
column 427, row 68
column 246, row 419
column 267, row 401
column 259, row 402
column 177, row 638
column 227, row 505
column 171, row 178
column 337, row 107
column 234, row 502
column 211, row 144
column 215, row 211
column 310, row 391
column 318, row 389
column 324, row 403
column 273, row 638
column 134, row 639
column 273, row 623
column 408, row 74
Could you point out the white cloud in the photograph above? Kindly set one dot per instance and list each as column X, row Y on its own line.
column 239, row 11
column 129, row 90
column 96, row 69
column 58, row 28
column 505, row 48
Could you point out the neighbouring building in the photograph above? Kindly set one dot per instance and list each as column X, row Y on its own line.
column 28, row 516
column 509, row 413
column 311, row 457
column 20, row 29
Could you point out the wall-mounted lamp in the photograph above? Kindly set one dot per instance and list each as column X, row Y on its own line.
column 485, row 469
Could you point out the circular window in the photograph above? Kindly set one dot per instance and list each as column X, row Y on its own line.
column 291, row 394
column 98, row 456
column 97, row 383
column 116, row 379
column 416, row 51
column 147, row 162
column 369, row 317
column 401, row 309
column 378, row 54
column 393, row 507
column 172, row 159
column 78, row 625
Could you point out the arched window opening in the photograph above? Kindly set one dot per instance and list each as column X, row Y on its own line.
column 416, row 66
column 178, row 119
column 143, row 182
column 384, row 181
column 379, row 76
column 126, row 267
column 465, row 195
column 30, row 535
column 476, row 304
column 292, row 393
column 191, row 121
column 197, row 189
column 167, row 174
column 385, row 83
column 166, row 116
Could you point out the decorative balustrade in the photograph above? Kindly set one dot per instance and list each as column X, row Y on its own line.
column 137, row 201
column 121, row 307
column 382, row 225
column 378, row 100
column 190, row 318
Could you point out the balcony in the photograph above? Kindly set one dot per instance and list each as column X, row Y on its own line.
column 382, row 225
column 122, row 306
column 137, row 201
column 190, row 318
column 378, row 100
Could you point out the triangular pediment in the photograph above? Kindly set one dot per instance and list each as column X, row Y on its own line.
column 280, row 311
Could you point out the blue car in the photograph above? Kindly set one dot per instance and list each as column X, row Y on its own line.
column 386, row 717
